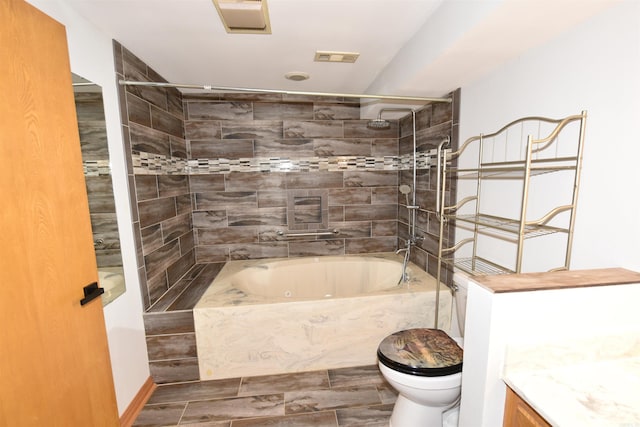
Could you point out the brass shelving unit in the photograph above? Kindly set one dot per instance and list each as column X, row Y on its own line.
column 512, row 154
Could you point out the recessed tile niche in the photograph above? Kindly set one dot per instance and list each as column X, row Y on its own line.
column 308, row 209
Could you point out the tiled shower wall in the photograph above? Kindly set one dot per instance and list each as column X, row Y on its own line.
column 152, row 120
column 220, row 177
column 434, row 123
column 295, row 149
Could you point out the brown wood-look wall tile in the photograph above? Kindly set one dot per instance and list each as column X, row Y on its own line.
column 138, row 110
column 202, row 129
column 302, row 180
column 183, row 204
column 166, row 122
column 175, row 227
column 370, row 245
column 208, row 254
column 172, row 185
column 440, row 113
column 174, row 102
column 249, row 181
column 313, row 129
column 175, row 322
column 351, row 229
column 258, row 129
column 202, row 183
column 178, row 147
column 336, row 213
column 159, row 260
column 384, row 195
column 342, row 147
column 146, row 187
column 317, row 248
column 284, row 148
column 156, row 210
column 210, row 219
column 258, row 250
column 384, row 147
column 370, row 213
column 349, row 196
column 217, row 148
column 370, row 178
column 149, row 140
column 187, row 242
column 272, row 199
column 151, row 238
column 221, row 236
column 219, row 110
column 179, row 268
column 336, row 111
column 163, row 347
column 384, row 228
column 259, row 216
column 230, row 200
column 173, row 371
column 156, row 285
column 282, row 110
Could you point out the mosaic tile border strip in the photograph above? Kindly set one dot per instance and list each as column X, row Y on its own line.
column 157, row 164
column 96, row 168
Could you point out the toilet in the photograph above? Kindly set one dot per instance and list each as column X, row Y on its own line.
column 425, row 367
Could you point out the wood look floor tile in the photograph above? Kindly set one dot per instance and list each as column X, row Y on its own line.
column 320, row 400
column 198, row 390
column 387, row 393
column 316, row 419
column 234, row 408
column 316, row 380
column 359, row 375
column 369, row 416
column 160, row 415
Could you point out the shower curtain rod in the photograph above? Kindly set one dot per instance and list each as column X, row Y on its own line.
column 284, row 92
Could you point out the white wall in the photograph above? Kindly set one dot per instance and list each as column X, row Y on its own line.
column 595, row 67
column 91, row 56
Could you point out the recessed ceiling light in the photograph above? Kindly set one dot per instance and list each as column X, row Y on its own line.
column 244, row 16
column 329, row 56
column 296, row 76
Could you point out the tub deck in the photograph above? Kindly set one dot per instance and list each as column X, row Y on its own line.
column 236, row 339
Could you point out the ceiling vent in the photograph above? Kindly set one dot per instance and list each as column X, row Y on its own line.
column 244, row 16
column 326, row 56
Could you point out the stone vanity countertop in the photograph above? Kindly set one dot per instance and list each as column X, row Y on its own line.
column 589, row 383
column 557, row 280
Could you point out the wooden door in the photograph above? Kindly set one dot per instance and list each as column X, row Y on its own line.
column 54, row 361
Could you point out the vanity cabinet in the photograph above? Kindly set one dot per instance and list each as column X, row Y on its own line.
column 517, row 413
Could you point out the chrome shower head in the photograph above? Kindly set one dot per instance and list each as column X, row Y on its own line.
column 404, row 189
column 378, row 123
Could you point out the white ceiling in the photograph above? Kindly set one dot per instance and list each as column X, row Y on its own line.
column 407, row 47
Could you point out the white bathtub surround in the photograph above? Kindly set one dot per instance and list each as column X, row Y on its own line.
column 589, row 382
column 239, row 334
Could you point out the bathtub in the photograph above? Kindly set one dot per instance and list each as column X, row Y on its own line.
column 264, row 317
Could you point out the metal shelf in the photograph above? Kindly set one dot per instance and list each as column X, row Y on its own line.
column 476, row 266
column 507, row 225
column 538, row 156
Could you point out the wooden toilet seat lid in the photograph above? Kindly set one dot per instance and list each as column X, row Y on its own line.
column 423, row 352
